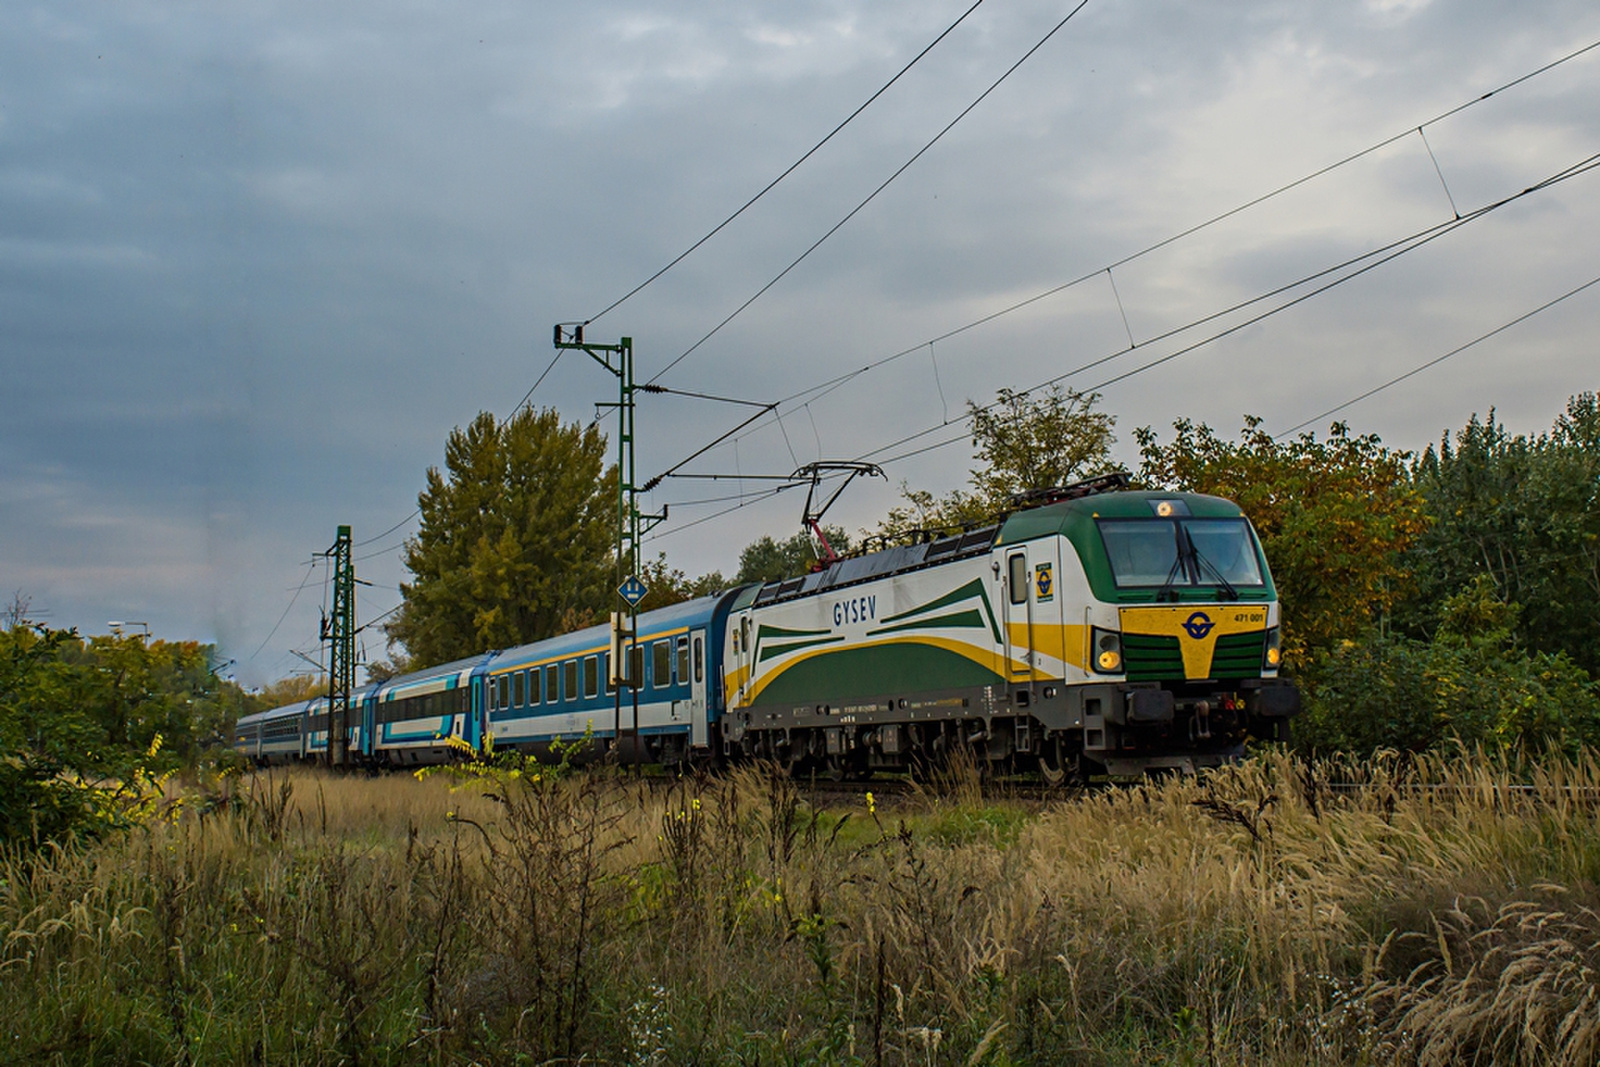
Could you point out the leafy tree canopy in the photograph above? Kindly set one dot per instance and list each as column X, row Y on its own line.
column 1471, row 682
column 768, row 560
column 1524, row 512
column 1334, row 517
column 1025, row 441
column 668, row 585
column 81, row 719
column 291, row 690
column 516, row 539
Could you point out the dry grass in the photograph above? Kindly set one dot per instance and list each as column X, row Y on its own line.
column 1446, row 912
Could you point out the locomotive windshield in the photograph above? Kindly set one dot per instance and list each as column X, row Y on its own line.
column 1168, row 553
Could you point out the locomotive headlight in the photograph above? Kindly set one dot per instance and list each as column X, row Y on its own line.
column 1273, row 655
column 1105, row 649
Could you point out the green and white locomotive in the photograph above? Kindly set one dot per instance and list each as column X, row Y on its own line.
column 1099, row 631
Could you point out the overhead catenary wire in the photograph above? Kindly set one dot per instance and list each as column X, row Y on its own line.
column 417, row 511
column 1389, row 252
column 836, row 227
column 1017, row 306
column 297, row 591
column 746, row 501
column 823, row 388
column 1393, row 251
column 390, row 530
column 1524, row 317
column 786, row 172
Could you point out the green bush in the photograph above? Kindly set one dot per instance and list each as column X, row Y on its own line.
column 1470, row 683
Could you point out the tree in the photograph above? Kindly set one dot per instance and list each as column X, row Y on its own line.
column 1334, row 518
column 1470, row 682
column 88, row 726
column 516, row 539
column 1525, row 513
column 292, row 690
column 768, row 560
column 668, row 585
column 1025, row 442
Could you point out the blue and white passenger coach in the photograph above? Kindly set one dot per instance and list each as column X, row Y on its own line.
column 561, row 688
column 412, row 717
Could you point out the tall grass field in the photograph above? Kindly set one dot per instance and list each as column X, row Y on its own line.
column 1434, row 911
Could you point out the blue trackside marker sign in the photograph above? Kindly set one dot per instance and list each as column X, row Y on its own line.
column 633, row 591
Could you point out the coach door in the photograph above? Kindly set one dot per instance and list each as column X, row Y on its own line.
column 1019, row 617
column 698, row 733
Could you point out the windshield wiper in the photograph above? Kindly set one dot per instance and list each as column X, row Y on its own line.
column 1167, row 590
column 1228, row 592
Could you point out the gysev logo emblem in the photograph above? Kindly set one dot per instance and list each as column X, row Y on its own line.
column 1044, row 582
column 1198, row 625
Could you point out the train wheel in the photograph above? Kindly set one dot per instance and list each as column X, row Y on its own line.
column 1053, row 762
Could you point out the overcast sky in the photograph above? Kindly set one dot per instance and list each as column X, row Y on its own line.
column 257, row 259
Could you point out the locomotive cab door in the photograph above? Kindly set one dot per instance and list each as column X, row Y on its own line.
column 1019, row 617
column 698, row 727
column 744, row 664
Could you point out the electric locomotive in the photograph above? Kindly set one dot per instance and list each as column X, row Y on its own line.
column 1099, row 631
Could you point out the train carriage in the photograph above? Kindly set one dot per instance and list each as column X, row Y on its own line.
column 412, row 719
column 247, row 736
column 563, row 688
column 280, row 734
column 358, row 729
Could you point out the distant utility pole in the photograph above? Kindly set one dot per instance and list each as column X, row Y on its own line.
column 631, row 525
column 339, row 630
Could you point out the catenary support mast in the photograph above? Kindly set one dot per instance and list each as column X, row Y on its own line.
column 339, row 630
column 631, row 525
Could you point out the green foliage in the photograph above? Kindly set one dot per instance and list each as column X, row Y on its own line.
column 668, row 585
column 1525, row 513
column 1025, row 442
column 89, row 730
column 1031, row 442
column 516, row 540
column 768, row 560
column 1471, row 683
column 1334, row 518
column 295, row 688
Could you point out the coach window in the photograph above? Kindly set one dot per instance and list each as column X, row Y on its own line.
column 552, row 686
column 493, row 703
column 533, row 686
column 569, row 679
column 699, row 660
column 661, row 664
column 591, row 676
column 605, row 672
column 516, row 690
column 505, row 690
column 1019, row 579
column 683, row 661
column 636, row 665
